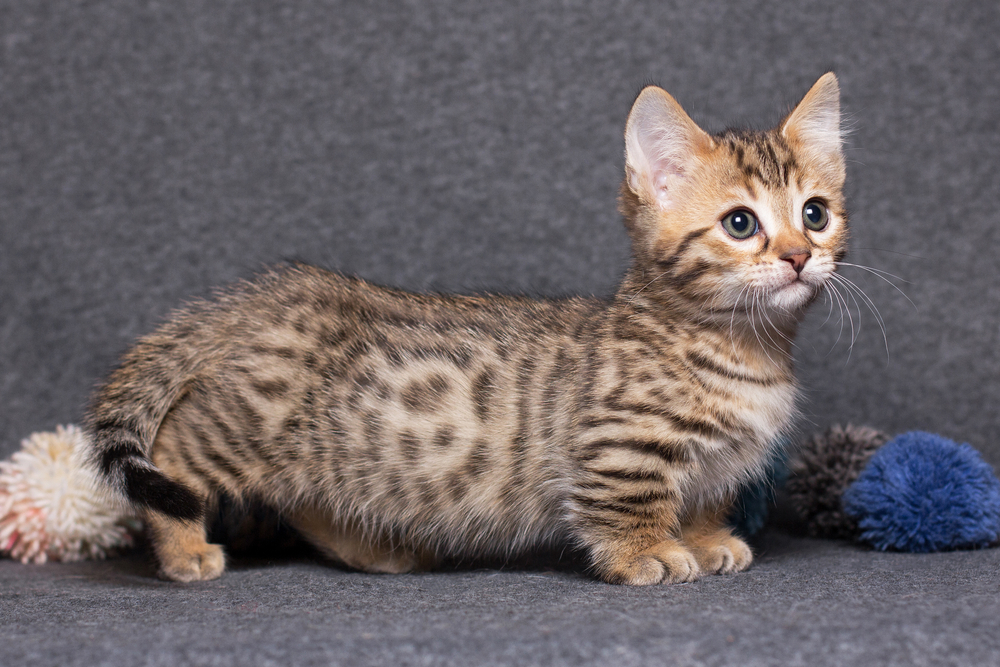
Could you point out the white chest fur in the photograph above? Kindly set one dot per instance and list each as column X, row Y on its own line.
column 766, row 413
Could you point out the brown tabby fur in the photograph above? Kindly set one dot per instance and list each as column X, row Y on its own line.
column 394, row 428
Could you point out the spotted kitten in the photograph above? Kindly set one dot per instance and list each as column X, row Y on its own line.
column 394, row 429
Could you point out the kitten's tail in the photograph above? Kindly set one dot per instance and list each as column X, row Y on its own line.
column 123, row 421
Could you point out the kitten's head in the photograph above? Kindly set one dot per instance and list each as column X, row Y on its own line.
column 741, row 219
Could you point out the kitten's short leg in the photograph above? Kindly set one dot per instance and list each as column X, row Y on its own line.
column 635, row 545
column 351, row 547
column 181, row 547
column 713, row 544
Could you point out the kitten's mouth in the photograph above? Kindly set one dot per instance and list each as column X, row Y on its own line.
column 793, row 283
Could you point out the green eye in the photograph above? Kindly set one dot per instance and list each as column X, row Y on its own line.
column 814, row 215
column 740, row 224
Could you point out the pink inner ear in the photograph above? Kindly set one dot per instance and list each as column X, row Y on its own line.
column 663, row 188
column 655, row 170
column 666, row 175
column 816, row 120
column 660, row 141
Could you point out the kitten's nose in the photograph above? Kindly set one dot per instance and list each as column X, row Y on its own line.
column 797, row 258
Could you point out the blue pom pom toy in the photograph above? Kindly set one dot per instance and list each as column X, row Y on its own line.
column 922, row 492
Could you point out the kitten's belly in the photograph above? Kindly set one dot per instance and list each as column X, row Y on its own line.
column 446, row 451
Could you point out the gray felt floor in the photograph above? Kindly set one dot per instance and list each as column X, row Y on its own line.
column 804, row 602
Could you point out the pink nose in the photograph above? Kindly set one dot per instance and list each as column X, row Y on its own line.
column 797, row 258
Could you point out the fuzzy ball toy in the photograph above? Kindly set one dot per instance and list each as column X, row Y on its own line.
column 825, row 465
column 920, row 492
column 51, row 508
column 923, row 493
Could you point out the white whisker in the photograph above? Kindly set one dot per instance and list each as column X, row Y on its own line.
column 843, row 306
column 879, row 274
column 640, row 290
column 871, row 306
column 829, row 313
column 855, row 327
column 732, row 319
column 777, row 331
column 893, row 252
column 756, row 294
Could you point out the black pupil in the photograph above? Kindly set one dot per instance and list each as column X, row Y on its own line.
column 813, row 213
column 740, row 222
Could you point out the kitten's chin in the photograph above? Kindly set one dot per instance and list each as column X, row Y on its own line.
column 793, row 297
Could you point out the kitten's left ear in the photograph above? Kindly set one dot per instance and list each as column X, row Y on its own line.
column 814, row 125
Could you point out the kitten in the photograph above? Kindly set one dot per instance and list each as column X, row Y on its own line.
column 394, row 429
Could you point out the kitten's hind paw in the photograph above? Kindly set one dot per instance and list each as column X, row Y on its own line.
column 181, row 548
column 200, row 564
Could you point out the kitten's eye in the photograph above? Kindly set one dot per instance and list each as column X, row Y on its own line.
column 740, row 224
column 814, row 215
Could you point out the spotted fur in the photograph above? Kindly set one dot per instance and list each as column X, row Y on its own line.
column 394, row 429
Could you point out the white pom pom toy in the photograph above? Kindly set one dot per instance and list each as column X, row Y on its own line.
column 52, row 508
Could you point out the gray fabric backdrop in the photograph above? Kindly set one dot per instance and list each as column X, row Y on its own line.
column 150, row 151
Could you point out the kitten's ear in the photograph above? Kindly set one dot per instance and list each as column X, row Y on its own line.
column 814, row 125
column 662, row 144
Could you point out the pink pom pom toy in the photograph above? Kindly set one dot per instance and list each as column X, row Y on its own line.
column 52, row 508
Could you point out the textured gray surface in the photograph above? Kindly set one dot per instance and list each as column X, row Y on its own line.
column 805, row 602
column 150, row 151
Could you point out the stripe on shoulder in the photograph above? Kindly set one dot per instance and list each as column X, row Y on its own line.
column 671, row 454
column 704, row 363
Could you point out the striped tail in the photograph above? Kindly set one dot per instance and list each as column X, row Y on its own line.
column 125, row 416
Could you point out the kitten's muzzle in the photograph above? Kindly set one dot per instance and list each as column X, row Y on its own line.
column 797, row 257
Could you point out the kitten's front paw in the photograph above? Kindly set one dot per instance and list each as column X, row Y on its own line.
column 730, row 554
column 200, row 564
column 665, row 563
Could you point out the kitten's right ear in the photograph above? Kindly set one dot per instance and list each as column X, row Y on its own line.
column 662, row 145
column 814, row 125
